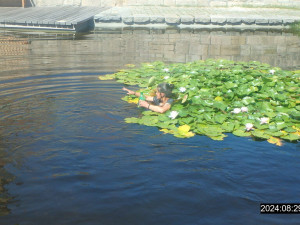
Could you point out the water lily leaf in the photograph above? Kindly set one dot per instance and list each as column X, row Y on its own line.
column 135, row 100
column 220, row 105
column 230, row 85
column 248, row 100
column 185, row 97
column 130, row 65
column 260, row 134
column 167, row 131
column 274, row 133
column 208, row 117
column 184, row 128
column 295, row 115
column 219, row 137
column 291, row 137
column 149, row 120
column 107, row 77
column 241, row 133
column 151, row 81
column 276, row 141
column 281, row 125
column 220, row 118
column 227, row 127
column 218, row 99
column 132, row 120
column 290, row 129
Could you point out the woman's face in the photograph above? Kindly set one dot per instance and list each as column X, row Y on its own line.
column 159, row 95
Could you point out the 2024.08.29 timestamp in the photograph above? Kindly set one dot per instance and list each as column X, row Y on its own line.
column 280, row 208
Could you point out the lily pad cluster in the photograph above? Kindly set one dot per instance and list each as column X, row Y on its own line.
column 215, row 97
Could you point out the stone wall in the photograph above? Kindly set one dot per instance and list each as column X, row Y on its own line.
column 206, row 3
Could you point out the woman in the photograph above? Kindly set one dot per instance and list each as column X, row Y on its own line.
column 159, row 103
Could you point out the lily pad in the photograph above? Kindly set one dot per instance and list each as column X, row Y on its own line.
column 217, row 96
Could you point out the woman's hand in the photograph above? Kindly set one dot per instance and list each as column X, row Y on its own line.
column 144, row 104
column 129, row 92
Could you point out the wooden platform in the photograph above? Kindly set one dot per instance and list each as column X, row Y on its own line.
column 65, row 18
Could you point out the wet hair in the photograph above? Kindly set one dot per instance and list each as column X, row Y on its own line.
column 166, row 89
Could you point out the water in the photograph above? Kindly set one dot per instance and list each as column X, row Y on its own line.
column 68, row 157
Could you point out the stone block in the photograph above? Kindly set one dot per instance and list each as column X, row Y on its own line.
column 218, row 20
column 198, row 49
column 172, row 19
column 186, row 3
column 141, row 19
column 275, row 21
column 238, row 40
column 218, row 3
column 182, row 47
column 203, row 3
column 214, row 50
column 205, row 39
column 245, row 50
column 157, row 19
column 234, row 21
column 248, row 20
column 202, row 19
column 220, row 40
column 108, row 18
column 127, row 19
column 230, row 50
column 170, row 2
column 288, row 21
column 185, row 19
column 262, row 21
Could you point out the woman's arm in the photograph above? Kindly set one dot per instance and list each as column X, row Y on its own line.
column 155, row 108
column 130, row 92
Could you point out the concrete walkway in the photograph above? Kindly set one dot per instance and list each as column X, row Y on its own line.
column 197, row 17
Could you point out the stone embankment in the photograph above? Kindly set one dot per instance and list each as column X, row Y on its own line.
column 238, row 17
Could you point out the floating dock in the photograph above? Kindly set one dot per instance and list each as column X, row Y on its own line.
column 63, row 18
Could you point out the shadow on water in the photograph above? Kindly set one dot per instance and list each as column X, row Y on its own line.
column 67, row 155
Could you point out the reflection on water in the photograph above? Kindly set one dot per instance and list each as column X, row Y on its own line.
column 102, row 51
column 66, row 154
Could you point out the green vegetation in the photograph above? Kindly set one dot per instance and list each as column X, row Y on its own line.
column 295, row 28
column 215, row 97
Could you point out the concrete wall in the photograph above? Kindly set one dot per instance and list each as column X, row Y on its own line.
column 207, row 3
column 10, row 3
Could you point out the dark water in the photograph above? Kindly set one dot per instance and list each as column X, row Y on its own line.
column 68, row 157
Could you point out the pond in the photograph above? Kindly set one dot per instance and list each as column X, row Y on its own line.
column 68, row 157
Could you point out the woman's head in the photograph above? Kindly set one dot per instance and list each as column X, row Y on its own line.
column 166, row 89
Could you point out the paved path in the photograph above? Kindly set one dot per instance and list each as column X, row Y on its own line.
column 197, row 16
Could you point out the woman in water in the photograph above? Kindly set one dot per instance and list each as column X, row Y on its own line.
column 159, row 103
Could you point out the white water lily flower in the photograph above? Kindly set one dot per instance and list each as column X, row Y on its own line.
column 173, row 114
column 264, row 120
column 182, row 89
column 272, row 72
column 166, row 77
column 166, row 70
column 249, row 126
column 244, row 109
column 237, row 110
